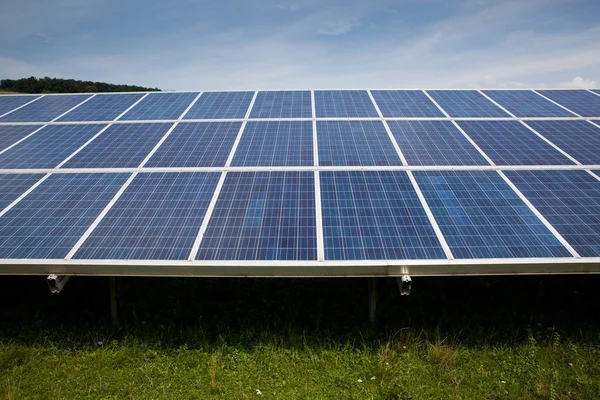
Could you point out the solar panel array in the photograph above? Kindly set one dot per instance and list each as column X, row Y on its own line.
column 323, row 182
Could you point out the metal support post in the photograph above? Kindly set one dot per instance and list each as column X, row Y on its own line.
column 372, row 299
column 112, row 281
column 404, row 285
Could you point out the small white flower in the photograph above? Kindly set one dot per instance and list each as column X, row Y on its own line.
column 502, row 381
column 258, row 392
column 570, row 364
column 372, row 378
column 387, row 363
column 360, row 381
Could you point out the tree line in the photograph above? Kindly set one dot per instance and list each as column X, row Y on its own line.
column 55, row 85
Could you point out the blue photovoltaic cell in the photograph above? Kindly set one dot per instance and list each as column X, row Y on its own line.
column 405, row 103
column 579, row 139
column 160, row 106
column 120, row 146
column 466, row 103
column 263, row 216
column 569, row 200
column 375, row 215
column 344, row 143
column 158, row 217
column 275, row 143
column 434, row 143
column 482, row 217
column 343, row 104
column 10, row 134
column 221, row 105
column 48, row 147
column 50, row 220
column 511, row 143
column 45, row 109
column 581, row 102
column 103, row 107
column 9, row 103
column 525, row 103
column 282, row 104
column 197, row 144
column 14, row 185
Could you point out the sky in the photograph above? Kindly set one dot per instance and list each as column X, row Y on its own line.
column 293, row 44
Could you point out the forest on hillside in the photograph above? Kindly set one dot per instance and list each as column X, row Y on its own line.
column 55, row 85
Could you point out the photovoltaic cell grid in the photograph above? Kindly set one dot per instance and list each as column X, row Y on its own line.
column 48, row 147
column 45, row 109
column 282, row 104
column 344, row 143
column 14, row 185
column 157, row 106
column 275, row 143
column 157, row 218
column 197, row 144
column 10, row 134
column 482, row 217
column 579, row 139
column 581, row 102
column 344, row 104
column 120, row 146
column 103, row 107
column 221, row 105
column 263, row 216
column 511, row 143
column 50, row 220
column 375, row 215
column 526, row 103
column 569, row 200
column 9, row 103
column 466, row 103
column 434, row 143
column 405, row 103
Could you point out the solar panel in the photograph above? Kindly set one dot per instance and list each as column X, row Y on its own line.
column 525, row 103
column 103, row 107
column 405, row 103
column 48, row 147
column 9, row 103
column 120, row 146
column 197, row 144
column 221, row 105
column 14, row 185
column 300, row 182
column 50, row 220
column 45, row 109
column 283, row 143
column 156, row 218
column 343, row 104
column 344, row 143
column 482, row 217
column 569, row 200
column 511, row 143
column 374, row 215
column 282, row 104
column 581, row 102
column 10, row 134
column 160, row 106
column 580, row 139
column 434, row 143
column 263, row 216
column 466, row 103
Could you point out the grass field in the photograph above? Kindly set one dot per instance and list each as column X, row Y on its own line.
column 8, row 92
column 468, row 338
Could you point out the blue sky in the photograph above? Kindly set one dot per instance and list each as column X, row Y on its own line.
column 235, row 44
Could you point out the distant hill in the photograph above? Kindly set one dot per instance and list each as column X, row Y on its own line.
column 55, row 85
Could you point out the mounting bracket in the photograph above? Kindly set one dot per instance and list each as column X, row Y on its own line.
column 404, row 285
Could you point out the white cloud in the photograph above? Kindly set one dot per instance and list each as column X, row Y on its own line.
column 338, row 27
column 581, row 83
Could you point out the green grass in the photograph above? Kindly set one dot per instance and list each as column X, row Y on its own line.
column 2, row 91
column 468, row 338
